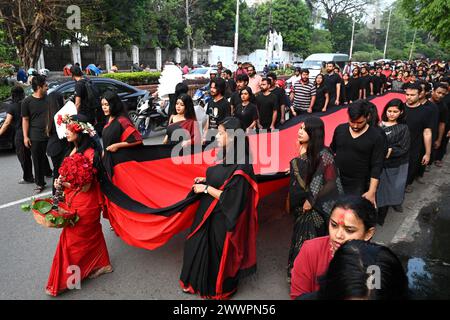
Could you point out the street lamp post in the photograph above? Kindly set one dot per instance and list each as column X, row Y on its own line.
column 236, row 33
column 387, row 34
column 412, row 45
column 351, row 43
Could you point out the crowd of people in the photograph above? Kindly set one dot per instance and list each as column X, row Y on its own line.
column 337, row 194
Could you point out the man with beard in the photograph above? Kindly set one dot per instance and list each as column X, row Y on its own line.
column 333, row 84
column 267, row 104
column 303, row 95
column 359, row 151
column 420, row 123
column 218, row 108
column 241, row 83
column 366, row 84
column 437, row 97
column 254, row 79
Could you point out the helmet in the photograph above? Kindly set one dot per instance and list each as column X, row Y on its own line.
column 31, row 71
column 213, row 71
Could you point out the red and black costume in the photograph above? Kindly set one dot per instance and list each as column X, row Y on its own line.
column 82, row 245
column 221, row 246
column 191, row 128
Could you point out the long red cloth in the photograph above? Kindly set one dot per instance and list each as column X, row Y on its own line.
column 163, row 182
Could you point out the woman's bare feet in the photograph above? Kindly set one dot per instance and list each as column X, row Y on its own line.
column 99, row 272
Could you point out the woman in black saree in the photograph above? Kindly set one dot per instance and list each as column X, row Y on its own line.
column 314, row 186
column 221, row 246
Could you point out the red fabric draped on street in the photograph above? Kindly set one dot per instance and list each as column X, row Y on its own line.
column 158, row 181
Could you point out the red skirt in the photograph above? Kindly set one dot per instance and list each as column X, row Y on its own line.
column 81, row 247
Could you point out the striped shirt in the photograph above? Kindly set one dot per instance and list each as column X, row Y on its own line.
column 303, row 94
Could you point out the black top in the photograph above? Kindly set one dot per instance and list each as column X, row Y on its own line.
column 397, row 139
column 365, row 84
column 235, row 99
column 13, row 109
column 81, row 92
column 355, row 85
column 281, row 95
column 37, row 110
column 217, row 112
column 266, row 106
column 377, row 84
column 435, row 117
column 331, row 81
column 358, row 158
column 230, row 88
column 320, row 98
column 443, row 112
column 246, row 114
column 418, row 119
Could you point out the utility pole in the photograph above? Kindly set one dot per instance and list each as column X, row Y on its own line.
column 351, row 42
column 236, row 33
column 188, row 31
column 387, row 34
column 412, row 45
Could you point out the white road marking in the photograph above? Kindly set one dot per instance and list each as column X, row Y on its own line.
column 3, row 206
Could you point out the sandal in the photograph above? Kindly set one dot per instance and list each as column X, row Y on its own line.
column 438, row 163
column 39, row 189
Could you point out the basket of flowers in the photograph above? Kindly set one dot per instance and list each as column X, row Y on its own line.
column 51, row 215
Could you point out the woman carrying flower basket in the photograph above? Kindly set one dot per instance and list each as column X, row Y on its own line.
column 83, row 245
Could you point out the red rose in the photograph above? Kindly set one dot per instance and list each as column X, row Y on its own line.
column 60, row 119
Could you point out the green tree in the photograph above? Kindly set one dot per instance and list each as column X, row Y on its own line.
column 341, row 32
column 290, row 17
column 430, row 15
column 320, row 42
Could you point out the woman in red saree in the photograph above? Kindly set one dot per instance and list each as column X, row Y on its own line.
column 183, row 125
column 221, row 246
column 83, row 245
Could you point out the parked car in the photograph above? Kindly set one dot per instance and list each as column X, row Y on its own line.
column 314, row 62
column 199, row 73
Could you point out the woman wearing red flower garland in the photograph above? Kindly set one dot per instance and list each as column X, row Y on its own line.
column 82, row 246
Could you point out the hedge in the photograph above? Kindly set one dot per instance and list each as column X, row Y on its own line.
column 5, row 92
column 135, row 78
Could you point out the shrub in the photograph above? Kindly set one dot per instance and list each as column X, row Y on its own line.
column 5, row 92
column 135, row 78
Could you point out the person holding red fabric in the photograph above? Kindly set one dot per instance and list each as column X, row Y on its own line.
column 183, row 123
column 221, row 246
column 82, row 246
column 352, row 218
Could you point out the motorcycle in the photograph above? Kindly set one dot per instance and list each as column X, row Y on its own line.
column 201, row 99
column 152, row 115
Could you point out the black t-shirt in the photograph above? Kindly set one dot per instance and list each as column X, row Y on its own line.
column 246, row 114
column 365, row 84
column 331, row 80
column 320, row 98
column 13, row 109
column 81, row 92
column 218, row 111
column 418, row 119
column 266, row 106
column 37, row 111
column 435, row 117
column 230, row 88
column 281, row 96
column 361, row 158
column 355, row 85
column 377, row 83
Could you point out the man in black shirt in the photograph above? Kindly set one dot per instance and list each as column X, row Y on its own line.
column 267, row 103
column 231, row 84
column 81, row 95
column 366, row 84
column 281, row 95
column 420, row 123
column 359, row 150
column 437, row 97
column 13, row 119
column 333, row 84
column 241, row 83
column 218, row 108
column 34, row 123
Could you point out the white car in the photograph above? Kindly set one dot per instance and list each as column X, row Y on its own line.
column 199, row 73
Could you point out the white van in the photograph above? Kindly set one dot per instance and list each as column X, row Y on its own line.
column 314, row 62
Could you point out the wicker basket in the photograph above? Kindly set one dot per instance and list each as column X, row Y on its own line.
column 61, row 212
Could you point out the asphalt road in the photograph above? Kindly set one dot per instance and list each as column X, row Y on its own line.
column 27, row 249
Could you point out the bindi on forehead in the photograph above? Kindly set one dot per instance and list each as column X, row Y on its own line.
column 341, row 216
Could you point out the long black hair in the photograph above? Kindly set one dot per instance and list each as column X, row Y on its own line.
column 399, row 105
column 364, row 270
column 239, row 151
column 189, row 112
column 116, row 107
column 374, row 117
column 315, row 129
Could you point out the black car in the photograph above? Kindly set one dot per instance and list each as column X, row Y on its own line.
column 129, row 95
